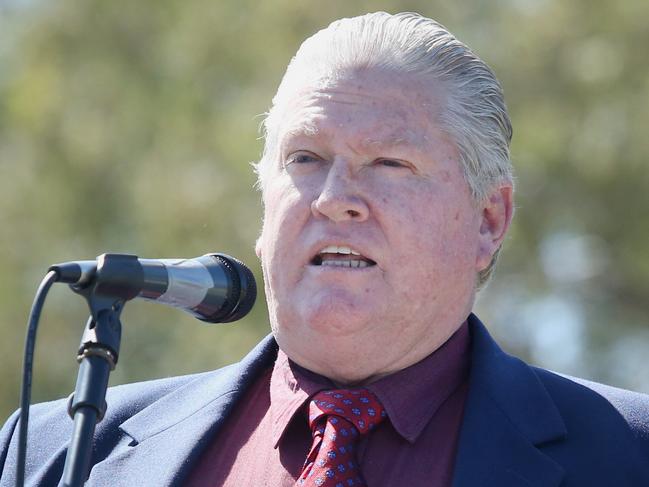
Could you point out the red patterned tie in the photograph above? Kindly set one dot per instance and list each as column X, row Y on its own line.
column 338, row 418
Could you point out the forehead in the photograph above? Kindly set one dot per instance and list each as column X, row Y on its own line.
column 376, row 107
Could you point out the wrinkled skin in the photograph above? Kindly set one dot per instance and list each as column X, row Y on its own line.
column 362, row 163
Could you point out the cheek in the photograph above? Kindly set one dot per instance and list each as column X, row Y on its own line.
column 434, row 230
column 285, row 212
column 412, row 217
column 282, row 204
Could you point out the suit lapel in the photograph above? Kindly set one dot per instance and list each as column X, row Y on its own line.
column 160, row 444
column 508, row 416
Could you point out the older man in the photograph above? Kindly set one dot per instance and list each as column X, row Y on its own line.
column 387, row 191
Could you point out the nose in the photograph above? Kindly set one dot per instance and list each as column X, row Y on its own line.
column 340, row 199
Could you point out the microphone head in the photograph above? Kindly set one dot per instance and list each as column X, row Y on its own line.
column 243, row 291
column 216, row 288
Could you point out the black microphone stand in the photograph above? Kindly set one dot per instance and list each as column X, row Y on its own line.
column 106, row 294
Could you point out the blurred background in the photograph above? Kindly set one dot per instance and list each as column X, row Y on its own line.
column 129, row 127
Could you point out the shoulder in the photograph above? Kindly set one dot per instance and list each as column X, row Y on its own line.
column 590, row 403
column 50, row 426
column 146, row 407
column 580, row 403
column 132, row 398
column 595, row 434
column 123, row 401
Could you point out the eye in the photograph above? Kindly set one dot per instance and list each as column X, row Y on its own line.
column 301, row 158
column 390, row 163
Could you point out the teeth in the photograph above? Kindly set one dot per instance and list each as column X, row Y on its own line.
column 339, row 249
column 345, row 263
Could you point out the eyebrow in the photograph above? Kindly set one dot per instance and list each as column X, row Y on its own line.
column 394, row 140
column 307, row 130
column 310, row 131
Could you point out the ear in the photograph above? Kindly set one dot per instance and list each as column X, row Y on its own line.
column 258, row 245
column 497, row 210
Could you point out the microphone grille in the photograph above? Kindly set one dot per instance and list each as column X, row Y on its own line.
column 244, row 292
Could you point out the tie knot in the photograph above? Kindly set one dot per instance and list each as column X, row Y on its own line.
column 358, row 406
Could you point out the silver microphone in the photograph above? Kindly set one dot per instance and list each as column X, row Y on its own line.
column 215, row 287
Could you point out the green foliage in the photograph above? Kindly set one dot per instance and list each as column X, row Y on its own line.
column 130, row 126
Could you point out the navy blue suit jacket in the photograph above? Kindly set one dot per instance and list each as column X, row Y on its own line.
column 522, row 426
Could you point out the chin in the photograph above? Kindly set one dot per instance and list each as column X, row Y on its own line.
column 333, row 316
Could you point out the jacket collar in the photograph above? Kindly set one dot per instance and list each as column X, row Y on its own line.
column 508, row 416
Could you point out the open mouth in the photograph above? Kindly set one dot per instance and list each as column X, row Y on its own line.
column 341, row 256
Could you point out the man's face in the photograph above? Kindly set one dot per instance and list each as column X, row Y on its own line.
column 371, row 240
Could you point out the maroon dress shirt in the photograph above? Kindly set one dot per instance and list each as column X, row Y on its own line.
column 267, row 438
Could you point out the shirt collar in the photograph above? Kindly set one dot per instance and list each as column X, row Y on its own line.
column 290, row 387
column 410, row 396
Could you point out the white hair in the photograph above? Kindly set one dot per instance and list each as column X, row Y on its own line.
column 474, row 113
